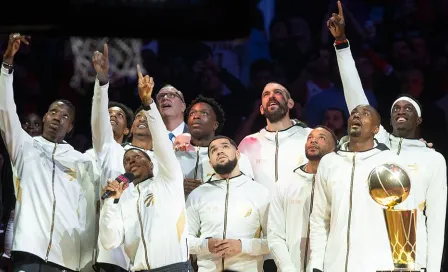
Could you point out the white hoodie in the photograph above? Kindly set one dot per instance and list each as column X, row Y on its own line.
column 52, row 180
column 274, row 155
column 110, row 162
column 196, row 164
column 426, row 167
column 152, row 223
column 235, row 208
column 344, row 213
column 288, row 223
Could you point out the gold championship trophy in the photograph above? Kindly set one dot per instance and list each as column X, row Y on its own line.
column 390, row 185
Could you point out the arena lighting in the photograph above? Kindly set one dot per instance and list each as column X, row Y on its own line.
column 180, row 19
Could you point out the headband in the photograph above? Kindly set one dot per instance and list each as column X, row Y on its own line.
column 410, row 100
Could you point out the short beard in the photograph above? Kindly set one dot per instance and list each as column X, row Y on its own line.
column 355, row 133
column 276, row 115
column 316, row 157
column 227, row 168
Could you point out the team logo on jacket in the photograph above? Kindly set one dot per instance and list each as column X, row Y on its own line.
column 149, row 200
column 413, row 167
column 71, row 173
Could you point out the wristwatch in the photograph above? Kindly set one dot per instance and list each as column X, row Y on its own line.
column 146, row 107
column 8, row 67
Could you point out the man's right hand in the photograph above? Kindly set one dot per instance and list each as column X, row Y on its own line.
column 336, row 24
column 101, row 64
column 114, row 186
column 190, row 185
column 14, row 42
column 213, row 244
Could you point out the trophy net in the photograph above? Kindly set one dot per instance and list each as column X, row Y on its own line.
column 401, row 228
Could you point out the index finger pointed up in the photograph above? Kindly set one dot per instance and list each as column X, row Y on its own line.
column 139, row 72
column 106, row 51
column 341, row 12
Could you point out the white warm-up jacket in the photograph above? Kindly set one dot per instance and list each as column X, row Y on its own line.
column 426, row 167
column 275, row 154
column 288, row 223
column 236, row 208
column 196, row 164
column 110, row 155
column 347, row 227
column 51, row 184
column 152, row 223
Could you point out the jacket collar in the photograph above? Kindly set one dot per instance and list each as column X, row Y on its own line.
column 344, row 152
column 301, row 172
column 296, row 127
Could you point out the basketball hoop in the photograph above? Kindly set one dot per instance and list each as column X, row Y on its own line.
column 124, row 55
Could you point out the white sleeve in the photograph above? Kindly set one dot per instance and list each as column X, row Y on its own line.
column 13, row 135
column 259, row 246
column 245, row 166
column 111, row 225
column 436, row 196
column 353, row 90
column 169, row 166
column 320, row 219
column 277, row 231
column 102, row 133
column 196, row 244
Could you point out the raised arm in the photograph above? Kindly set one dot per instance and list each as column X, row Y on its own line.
column 435, row 214
column 319, row 220
column 277, row 232
column 353, row 90
column 102, row 134
column 12, row 133
column 169, row 166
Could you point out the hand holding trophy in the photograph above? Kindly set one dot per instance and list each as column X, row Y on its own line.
column 390, row 185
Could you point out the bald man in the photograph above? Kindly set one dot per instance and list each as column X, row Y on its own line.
column 358, row 235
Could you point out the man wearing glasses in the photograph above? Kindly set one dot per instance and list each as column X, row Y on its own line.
column 171, row 104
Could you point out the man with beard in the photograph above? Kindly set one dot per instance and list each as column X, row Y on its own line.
column 273, row 151
column 205, row 119
column 358, row 234
column 52, row 180
column 171, row 104
column 227, row 215
column 292, row 203
column 151, row 223
column 110, row 152
column 427, row 167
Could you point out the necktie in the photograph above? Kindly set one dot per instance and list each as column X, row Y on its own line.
column 171, row 136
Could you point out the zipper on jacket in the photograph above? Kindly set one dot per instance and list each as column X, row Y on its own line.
column 141, row 228
column 54, row 203
column 276, row 156
column 224, row 233
column 399, row 146
column 307, row 244
column 350, row 212
column 197, row 165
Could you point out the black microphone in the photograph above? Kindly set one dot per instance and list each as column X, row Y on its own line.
column 125, row 178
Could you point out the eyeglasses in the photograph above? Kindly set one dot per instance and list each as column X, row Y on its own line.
column 168, row 95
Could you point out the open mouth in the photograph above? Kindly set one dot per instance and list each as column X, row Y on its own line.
column 142, row 126
column 112, row 122
column 166, row 105
column 273, row 104
column 401, row 120
column 54, row 126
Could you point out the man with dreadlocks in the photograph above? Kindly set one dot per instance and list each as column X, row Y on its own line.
column 205, row 119
column 106, row 130
column 52, row 180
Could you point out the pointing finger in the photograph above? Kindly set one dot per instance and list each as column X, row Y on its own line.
column 139, row 72
column 341, row 12
column 106, row 51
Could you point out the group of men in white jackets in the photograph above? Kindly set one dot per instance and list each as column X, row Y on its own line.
column 288, row 198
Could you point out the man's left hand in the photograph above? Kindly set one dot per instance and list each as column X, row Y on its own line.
column 228, row 248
